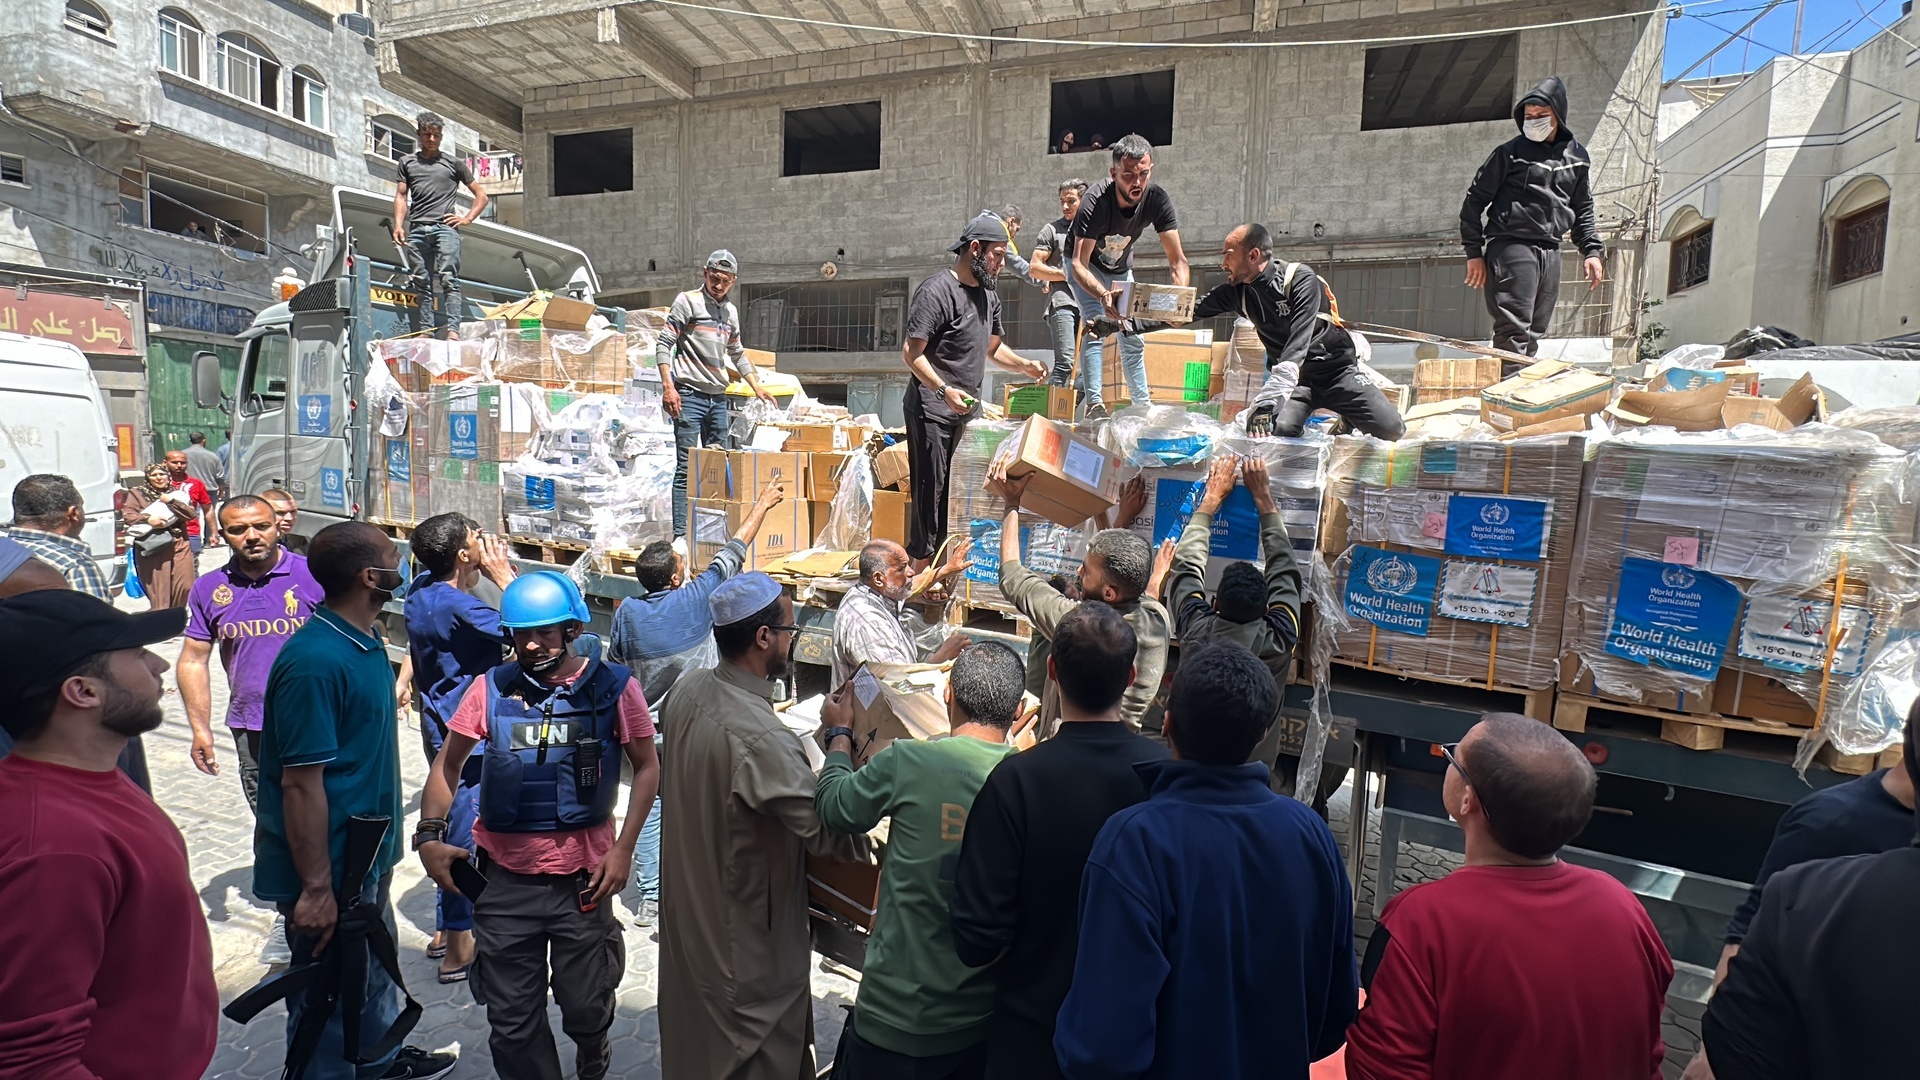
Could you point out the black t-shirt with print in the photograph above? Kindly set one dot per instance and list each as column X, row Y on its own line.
column 958, row 323
column 1114, row 229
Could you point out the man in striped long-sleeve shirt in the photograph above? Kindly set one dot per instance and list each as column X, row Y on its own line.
column 698, row 353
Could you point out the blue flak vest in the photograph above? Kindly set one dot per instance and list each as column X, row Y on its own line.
column 530, row 778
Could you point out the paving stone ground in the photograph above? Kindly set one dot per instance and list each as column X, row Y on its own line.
column 212, row 814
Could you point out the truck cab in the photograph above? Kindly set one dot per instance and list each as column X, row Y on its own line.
column 298, row 416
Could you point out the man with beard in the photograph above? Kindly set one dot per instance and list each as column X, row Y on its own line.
column 251, row 606
column 870, row 626
column 953, row 328
column 1312, row 362
column 738, row 822
column 105, row 965
column 1105, row 229
column 329, row 751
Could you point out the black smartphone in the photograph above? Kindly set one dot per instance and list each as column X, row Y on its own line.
column 468, row 879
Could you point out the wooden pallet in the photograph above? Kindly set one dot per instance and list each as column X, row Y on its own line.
column 1535, row 703
column 551, row 552
column 398, row 530
column 995, row 617
column 1701, row 731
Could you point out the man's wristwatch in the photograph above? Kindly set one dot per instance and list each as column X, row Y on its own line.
column 429, row 831
column 835, row 732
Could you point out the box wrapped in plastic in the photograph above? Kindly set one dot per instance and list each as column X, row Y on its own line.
column 1449, row 558
column 562, row 359
column 460, row 485
column 1728, row 555
column 974, row 518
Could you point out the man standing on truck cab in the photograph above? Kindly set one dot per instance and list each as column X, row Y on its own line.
column 695, row 352
column 426, row 224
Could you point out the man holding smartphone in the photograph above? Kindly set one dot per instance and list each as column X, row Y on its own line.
column 557, row 726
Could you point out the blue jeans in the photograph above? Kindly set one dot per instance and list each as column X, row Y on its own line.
column 703, row 422
column 1064, row 323
column 435, row 250
column 646, row 857
column 1133, row 350
column 452, row 911
column 382, row 1002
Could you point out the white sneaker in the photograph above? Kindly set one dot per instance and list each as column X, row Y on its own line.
column 276, row 950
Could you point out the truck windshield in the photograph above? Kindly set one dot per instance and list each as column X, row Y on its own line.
column 267, row 376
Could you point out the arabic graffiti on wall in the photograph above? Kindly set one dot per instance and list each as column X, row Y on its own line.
column 161, row 271
column 94, row 325
column 192, row 313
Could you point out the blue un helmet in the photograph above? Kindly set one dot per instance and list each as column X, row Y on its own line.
column 542, row 598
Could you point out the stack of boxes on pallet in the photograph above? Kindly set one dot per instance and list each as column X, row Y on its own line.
column 1750, row 575
column 722, row 486
column 1450, row 558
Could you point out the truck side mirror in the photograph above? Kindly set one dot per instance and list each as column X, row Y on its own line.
column 206, row 381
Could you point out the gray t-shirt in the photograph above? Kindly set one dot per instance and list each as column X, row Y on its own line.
column 432, row 185
column 205, row 466
column 1053, row 240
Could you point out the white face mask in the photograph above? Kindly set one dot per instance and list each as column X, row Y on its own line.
column 1538, row 130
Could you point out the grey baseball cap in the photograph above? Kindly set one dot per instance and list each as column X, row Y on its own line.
column 723, row 260
column 985, row 226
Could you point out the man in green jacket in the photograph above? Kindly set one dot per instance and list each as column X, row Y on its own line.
column 921, row 1011
column 1260, row 611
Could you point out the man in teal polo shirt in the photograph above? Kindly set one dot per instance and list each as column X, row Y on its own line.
column 329, row 750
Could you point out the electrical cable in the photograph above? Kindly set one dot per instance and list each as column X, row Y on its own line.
column 108, row 240
column 1008, row 39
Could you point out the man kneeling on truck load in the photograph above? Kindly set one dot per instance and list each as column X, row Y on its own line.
column 1311, row 360
column 921, row 1012
column 556, row 726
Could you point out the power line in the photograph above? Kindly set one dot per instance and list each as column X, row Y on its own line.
column 106, row 240
column 1009, row 39
column 1808, row 59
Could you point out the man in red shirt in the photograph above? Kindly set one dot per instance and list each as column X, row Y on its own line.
column 106, row 972
column 1517, row 965
column 556, row 727
column 197, row 491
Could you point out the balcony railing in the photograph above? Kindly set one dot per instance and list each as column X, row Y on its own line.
column 499, row 172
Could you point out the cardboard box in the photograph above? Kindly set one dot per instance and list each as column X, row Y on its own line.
column 897, row 701
column 890, row 467
column 761, row 359
column 1039, row 399
column 787, row 528
column 464, row 421
column 552, row 312
column 1545, row 391
column 1759, row 697
column 1160, row 303
column 1802, row 402
column 1073, row 478
column 1183, row 366
column 708, row 474
column 1674, row 399
column 819, row 515
column 892, row 516
column 849, row 890
column 813, row 438
column 752, row 470
column 1442, row 380
column 823, row 474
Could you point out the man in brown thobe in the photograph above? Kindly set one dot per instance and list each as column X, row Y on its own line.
column 737, row 821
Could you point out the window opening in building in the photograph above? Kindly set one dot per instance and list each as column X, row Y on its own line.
column 825, row 316
column 244, row 68
column 186, row 203
column 13, row 169
column 1432, row 83
column 390, row 137
column 88, row 18
column 592, row 162
column 1860, row 244
column 1690, row 259
column 309, row 97
column 1092, row 114
column 831, row 139
column 181, row 43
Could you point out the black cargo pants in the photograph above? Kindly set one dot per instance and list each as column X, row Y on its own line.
column 1523, row 285
column 1338, row 385
column 932, row 433
column 529, row 933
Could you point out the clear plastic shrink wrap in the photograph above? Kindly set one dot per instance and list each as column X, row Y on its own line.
column 974, row 517
column 1715, row 569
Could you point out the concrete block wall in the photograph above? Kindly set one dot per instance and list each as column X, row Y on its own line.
column 1270, row 134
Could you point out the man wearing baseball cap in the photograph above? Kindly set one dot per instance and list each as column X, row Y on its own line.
column 697, row 354
column 953, row 328
column 105, row 965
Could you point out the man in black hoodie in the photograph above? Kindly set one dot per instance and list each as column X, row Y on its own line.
column 1311, row 362
column 1529, row 193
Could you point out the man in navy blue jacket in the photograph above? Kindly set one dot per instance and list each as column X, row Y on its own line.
column 1216, row 923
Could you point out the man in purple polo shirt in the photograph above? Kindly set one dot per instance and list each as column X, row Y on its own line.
column 251, row 606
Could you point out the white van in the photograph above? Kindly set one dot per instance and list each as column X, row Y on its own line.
column 53, row 419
